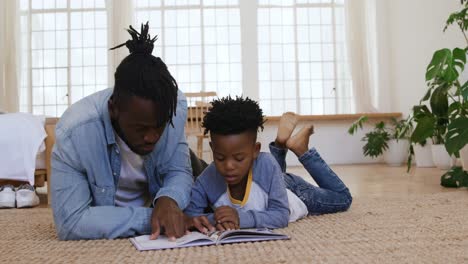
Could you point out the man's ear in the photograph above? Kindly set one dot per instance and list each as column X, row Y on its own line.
column 257, row 147
column 113, row 109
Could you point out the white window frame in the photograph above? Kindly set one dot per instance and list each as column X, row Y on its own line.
column 68, row 10
column 163, row 8
column 249, row 46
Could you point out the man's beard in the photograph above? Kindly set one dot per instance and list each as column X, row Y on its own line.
column 121, row 134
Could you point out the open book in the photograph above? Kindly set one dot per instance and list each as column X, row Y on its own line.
column 213, row 238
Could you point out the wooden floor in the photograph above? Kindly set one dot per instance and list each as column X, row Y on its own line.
column 382, row 180
column 370, row 180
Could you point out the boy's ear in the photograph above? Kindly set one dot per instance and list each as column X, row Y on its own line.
column 257, row 147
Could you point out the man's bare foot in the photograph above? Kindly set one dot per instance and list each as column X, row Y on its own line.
column 299, row 143
column 287, row 123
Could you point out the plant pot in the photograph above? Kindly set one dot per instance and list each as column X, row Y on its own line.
column 423, row 156
column 441, row 158
column 397, row 152
column 464, row 157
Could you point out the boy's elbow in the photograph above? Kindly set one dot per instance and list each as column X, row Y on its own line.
column 283, row 220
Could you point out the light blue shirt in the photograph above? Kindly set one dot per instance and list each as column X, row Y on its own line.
column 86, row 169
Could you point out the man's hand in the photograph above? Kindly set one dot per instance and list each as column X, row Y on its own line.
column 226, row 218
column 167, row 216
column 201, row 223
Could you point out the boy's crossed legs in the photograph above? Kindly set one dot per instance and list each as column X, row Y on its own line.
column 332, row 195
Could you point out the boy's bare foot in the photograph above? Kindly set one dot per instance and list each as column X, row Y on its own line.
column 287, row 123
column 299, row 143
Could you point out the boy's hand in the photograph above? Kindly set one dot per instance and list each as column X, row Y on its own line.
column 201, row 223
column 226, row 226
column 226, row 217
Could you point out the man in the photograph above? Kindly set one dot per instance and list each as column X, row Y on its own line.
column 121, row 150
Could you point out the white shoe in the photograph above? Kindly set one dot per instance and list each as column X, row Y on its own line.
column 26, row 196
column 7, row 196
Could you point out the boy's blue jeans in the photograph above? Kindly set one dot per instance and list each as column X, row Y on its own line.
column 331, row 196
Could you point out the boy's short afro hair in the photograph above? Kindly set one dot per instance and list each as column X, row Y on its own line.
column 229, row 116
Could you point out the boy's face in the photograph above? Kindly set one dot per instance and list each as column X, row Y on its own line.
column 234, row 155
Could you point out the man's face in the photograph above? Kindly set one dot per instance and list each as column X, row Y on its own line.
column 234, row 155
column 135, row 121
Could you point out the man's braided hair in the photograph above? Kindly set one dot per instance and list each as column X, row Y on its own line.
column 144, row 75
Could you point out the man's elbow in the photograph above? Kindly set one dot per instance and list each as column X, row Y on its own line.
column 65, row 227
column 65, row 233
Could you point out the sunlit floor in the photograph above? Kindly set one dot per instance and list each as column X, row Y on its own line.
column 369, row 180
column 383, row 180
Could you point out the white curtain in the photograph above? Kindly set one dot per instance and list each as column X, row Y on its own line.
column 361, row 32
column 9, row 59
column 119, row 18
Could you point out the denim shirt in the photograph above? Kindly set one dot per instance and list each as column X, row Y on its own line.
column 86, row 170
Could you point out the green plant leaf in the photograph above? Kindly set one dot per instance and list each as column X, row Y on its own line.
column 464, row 91
column 421, row 111
column 357, row 124
column 439, row 102
column 457, row 135
column 424, row 129
column 376, row 143
column 459, row 59
column 460, row 18
column 454, row 178
column 380, row 125
column 436, row 66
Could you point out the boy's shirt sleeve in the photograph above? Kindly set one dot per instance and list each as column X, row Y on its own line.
column 276, row 215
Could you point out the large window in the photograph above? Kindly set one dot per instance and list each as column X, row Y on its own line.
column 200, row 42
column 288, row 54
column 302, row 58
column 64, row 53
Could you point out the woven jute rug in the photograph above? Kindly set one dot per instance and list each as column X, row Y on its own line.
column 430, row 228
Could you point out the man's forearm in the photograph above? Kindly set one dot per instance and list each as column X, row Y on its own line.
column 106, row 222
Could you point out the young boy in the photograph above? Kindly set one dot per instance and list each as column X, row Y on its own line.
column 246, row 188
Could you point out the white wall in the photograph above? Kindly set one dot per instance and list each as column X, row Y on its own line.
column 331, row 139
column 414, row 33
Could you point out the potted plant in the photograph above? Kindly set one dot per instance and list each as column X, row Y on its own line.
column 456, row 141
column 447, row 120
column 447, row 95
column 432, row 125
column 390, row 140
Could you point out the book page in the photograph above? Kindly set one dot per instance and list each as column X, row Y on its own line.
column 192, row 239
column 245, row 235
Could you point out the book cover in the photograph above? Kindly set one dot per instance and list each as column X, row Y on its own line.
column 214, row 238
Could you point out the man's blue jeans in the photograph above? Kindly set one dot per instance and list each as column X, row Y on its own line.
column 331, row 196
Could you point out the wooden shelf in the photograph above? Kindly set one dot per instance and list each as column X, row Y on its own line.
column 341, row 117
